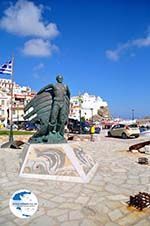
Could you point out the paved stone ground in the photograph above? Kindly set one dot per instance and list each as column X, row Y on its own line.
column 98, row 203
column 23, row 138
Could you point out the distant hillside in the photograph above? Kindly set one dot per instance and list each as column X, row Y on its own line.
column 103, row 113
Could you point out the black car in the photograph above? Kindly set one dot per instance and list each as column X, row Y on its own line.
column 74, row 126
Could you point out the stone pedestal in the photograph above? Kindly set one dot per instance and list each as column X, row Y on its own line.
column 61, row 162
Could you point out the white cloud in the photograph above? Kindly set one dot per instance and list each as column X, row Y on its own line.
column 25, row 19
column 36, row 76
column 112, row 55
column 142, row 42
column 39, row 47
column 115, row 54
column 122, row 48
column 38, row 67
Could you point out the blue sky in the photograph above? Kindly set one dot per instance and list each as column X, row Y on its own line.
column 100, row 47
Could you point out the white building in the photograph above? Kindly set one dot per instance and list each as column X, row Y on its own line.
column 21, row 95
column 4, row 103
column 85, row 106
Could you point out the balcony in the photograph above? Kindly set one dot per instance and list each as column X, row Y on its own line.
column 18, row 106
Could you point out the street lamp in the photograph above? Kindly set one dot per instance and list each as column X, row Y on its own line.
column 132, row 114
column 92, row 114
column 80, row 101
column 80, row 120
column 18, row 113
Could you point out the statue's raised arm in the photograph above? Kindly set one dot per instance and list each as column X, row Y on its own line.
column 50, row 109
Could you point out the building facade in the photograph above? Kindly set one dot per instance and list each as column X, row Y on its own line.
column 21, row 96
column 80, row 106
column 86, row 106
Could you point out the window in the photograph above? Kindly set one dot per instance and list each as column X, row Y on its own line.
column 133, row 126
column 118, row 126
column 122, row 126
column 114, row 127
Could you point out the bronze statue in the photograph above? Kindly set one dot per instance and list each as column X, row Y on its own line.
column 49, row 109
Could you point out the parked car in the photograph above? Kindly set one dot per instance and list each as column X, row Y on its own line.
column 144, row 128
column 97, row 129
column 30, row 126
column 14, row 126
column 145, row 131
column 124, row 131
column 85, row 127
column 27, row 126
column 74, row 126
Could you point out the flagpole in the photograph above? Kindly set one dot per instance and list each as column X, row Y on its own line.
column 11, row 139
column 11, row 143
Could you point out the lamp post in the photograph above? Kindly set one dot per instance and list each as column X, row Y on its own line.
column 80, row 120
column 132, row 114
column 80, row 101
column 92, row 115
column 17, row 113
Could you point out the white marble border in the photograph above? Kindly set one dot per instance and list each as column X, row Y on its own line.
column 68, row 150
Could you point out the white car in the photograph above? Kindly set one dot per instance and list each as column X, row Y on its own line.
column 124, row 131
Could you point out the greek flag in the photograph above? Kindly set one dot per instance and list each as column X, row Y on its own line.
column 6, row 68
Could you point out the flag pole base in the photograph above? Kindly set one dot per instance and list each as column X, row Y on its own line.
column 12, row 144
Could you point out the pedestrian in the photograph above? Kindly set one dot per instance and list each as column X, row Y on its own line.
column 92, row 131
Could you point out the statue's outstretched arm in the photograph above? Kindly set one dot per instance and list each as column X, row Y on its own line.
column 45, row 88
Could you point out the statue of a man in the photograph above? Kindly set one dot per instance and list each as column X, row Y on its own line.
column 49, row 109
column 61, row 94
